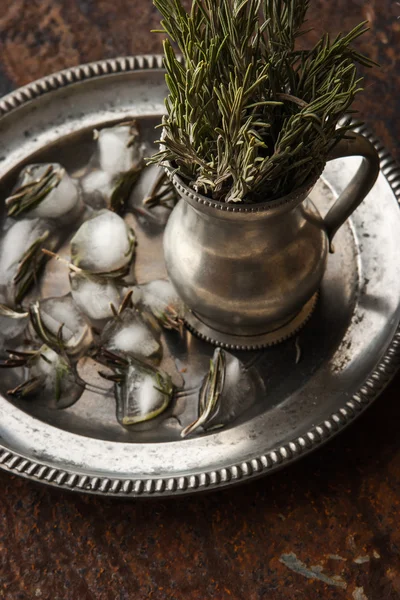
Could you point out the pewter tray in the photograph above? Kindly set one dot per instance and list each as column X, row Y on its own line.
column 349, row 349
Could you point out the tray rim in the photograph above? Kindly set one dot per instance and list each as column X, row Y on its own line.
column 372, row 387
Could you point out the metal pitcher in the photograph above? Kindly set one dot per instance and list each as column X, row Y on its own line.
column 249, row 274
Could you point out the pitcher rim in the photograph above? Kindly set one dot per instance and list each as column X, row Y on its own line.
column 293, row 198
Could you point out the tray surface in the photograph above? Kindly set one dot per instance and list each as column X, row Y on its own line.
column 349, row 348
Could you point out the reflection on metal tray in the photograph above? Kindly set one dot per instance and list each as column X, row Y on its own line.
column 349, row 349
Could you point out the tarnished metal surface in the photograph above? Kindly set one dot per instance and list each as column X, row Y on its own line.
column 348, row 349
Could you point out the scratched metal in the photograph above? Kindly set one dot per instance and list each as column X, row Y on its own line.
column 348, row 350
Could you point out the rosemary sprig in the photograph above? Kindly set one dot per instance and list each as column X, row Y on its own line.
column 26, row 389
column 6, row 311
column 28, row 268
column 66, row 381
column 116, row 276
column 125, row 304
column 249, row 116
column 169, row 319
column 123, row 186
column 67, row 349
column 114, row 362
column 164, row 385
column 162, row 193
column 210, row 393
column 120, row 366
column 18, row 359
column 23, row 359
column 28, row 196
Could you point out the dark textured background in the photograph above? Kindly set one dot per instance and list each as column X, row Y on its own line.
column 338, row 510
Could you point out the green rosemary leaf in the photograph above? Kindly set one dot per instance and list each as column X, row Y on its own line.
column 28, row 196
column 28, row 269
column 6, row 311
column 247, row 96
column 210, row 393
column 26, row 389
column 123, row 187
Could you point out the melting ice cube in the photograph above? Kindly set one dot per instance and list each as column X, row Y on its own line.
column 160, row 298
column 228, row 390
column 51, row 315
column 142, row 395
column 132, row 334
column 103, row 244
column 46, row 191
column 56, row 379
column 94, row 296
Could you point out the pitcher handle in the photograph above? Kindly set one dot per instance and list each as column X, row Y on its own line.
column 359, row 186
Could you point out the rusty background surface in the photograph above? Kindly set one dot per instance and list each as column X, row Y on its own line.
column 326, row 528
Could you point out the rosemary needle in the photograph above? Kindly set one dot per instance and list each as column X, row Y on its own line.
column 250, row 117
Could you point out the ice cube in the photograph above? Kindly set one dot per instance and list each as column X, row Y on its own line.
column 238, row 393
column 228, row 390
column 142, row 394
column 51, row 314
column 12, row 327
column 119, row 148
column 94, row 296
column 132, row 334
column 60, row 388
column 144, row 185
column 19, row 237
column 17, row 240
column 160, row 298
column 143, row 200
column 97, row 188
column 46, row 191
column 104, row 244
